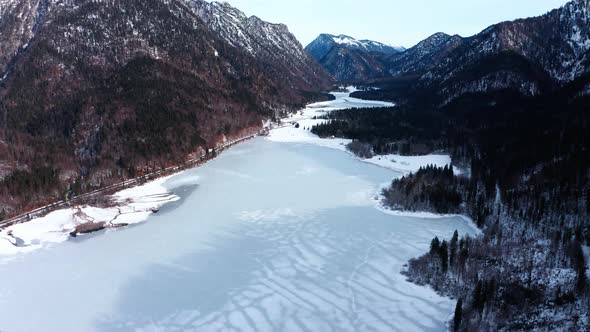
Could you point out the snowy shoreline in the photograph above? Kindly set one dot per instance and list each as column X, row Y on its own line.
column 425, row 215
column 123, row 208
column 267, row 221
column 130, row 206
column 401, row 164
column 242, row 235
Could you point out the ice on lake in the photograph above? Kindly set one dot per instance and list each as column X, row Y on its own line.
column 267, row 237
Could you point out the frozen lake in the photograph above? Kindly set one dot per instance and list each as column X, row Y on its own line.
column 268, row 237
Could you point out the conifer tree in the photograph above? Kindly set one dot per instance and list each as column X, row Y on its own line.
column 453, row 248
column 579, row 265
column 444, row 256
column 434, row 246
column 458, row 315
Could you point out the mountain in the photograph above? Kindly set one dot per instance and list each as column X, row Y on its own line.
column 528, row 55
column 94, row 91
column 349, row 59
column 324, row 43
column 422, row 57
column 347, row 64
column 272, row 44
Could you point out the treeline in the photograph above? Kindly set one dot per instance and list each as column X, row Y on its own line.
column 433, row 189
column 388, row 130
column 29, row 184
column 38, row 179
column 360, row 149
column 535, row 151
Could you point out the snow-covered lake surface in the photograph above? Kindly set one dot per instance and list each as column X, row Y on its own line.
column 270, row 236
column 274, row 237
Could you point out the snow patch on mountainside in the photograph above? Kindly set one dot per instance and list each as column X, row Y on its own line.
column 366, row 45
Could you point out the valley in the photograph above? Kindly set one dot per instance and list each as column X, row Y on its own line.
column 172, row 165
column 319, row 255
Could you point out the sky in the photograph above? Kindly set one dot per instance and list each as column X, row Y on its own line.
column 393, row 22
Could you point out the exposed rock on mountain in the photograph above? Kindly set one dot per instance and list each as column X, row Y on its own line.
column 272, row 44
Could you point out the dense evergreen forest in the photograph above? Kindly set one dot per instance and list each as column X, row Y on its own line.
column 431, row 189
column 528, row 189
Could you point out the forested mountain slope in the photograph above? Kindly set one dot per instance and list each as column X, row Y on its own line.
column 529, row 55
column 93, row 91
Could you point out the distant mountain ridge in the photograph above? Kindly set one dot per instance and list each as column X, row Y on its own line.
column 322, row 45
column 347, row 58
column 356, row 65
column 422, row 57
column 530, row 56
column 527, row 55
column 347, row 64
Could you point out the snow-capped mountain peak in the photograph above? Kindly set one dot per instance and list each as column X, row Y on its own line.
column 365, row 44
column 347, row 40
column 325, row 42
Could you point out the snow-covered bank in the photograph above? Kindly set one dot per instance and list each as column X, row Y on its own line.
column 126, row 207
column 425, row 215
column 305, row 119
column 410, row 164
column 130, row 206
